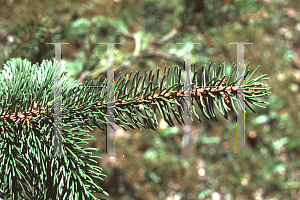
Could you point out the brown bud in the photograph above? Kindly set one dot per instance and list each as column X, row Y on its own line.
column 166, row 95
column 93, row 41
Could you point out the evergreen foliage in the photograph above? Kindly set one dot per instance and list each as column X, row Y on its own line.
column 26, row 112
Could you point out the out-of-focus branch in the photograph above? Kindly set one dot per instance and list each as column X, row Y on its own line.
column 169, row 35
column 162, row 55
column 151, row 53
column 84, row 75
column 147, row 54
column 136, row 37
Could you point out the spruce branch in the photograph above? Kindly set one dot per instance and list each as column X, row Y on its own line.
column 26, row 119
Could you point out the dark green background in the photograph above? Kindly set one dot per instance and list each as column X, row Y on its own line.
column 149, row 169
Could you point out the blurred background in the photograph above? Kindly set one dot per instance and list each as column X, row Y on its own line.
column 149, row 31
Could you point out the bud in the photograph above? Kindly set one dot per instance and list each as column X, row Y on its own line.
column 93, row 41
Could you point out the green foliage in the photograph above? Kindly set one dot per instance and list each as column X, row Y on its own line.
column 27, row 138
column 27, row 97
column 27, row 39
column 212, row 23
